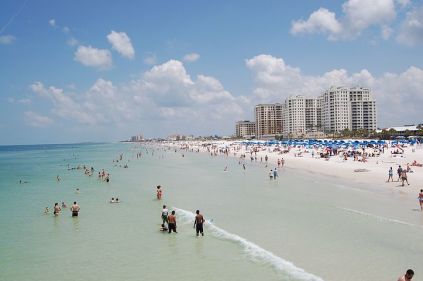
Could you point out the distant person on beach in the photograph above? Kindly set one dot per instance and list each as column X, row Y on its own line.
column 421, row 199
column 165, row 213
column 271, row 174
column 407, row 276
column 172, row 222
column 58, row 178
column 46, row 210
column 64, row 205
column 75, row 209
column 391, row 175
column 399, row 172
column 404, row 177
column 198, row 223
column 159, row 192
column 77, row 191
column 112, row 200
column 56, row 209
column 275, row 173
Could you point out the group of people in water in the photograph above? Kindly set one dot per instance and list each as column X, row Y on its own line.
column 57, row 210
column 169, row 221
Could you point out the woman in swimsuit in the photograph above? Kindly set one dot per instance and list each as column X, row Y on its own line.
column 421, row 199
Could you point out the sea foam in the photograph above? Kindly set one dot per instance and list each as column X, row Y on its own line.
column 253, row 251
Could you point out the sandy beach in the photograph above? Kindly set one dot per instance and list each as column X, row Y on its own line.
column 373, row 171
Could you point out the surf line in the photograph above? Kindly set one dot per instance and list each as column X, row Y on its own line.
column 379, row 218
column 255, row 252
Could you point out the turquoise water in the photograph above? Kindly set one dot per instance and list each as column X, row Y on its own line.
column 302, row 226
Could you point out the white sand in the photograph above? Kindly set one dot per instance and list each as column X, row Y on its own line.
column 374, row 171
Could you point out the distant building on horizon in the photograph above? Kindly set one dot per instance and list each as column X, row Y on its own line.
column 245, row 129
column 268, row 119
column 137, row 138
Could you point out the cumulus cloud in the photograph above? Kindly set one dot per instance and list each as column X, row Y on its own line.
column 72, row 42
column 191, row 57
column 93, row 57
column 398, row 96
column 411, row 31
column 357, row 16
column 121, row 43
column 37, row 120
column 165, row 97
column 7, row 39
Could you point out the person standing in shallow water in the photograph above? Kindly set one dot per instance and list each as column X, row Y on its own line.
column 198, row 223
column 159, row 192
column 172, row 222
column 165, row 213
column 407, row 276
column 75, row 209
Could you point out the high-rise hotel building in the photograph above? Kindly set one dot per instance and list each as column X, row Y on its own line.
column 348, row 108
column 268, row 119
column 301, row 115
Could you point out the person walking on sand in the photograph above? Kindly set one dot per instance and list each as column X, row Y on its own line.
column 198, row 223
column 172, row 222
column 75, row 209
column 391, row 175
column 399, row 172
column 407, row 276
column 404, row 177
column 421, row 199
column 165, row 213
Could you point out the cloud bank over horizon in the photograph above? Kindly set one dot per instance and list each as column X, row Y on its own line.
column 169, row 100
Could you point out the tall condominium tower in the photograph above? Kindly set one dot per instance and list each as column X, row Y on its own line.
column 300, row 116
column 268, row 119
column 348, row 108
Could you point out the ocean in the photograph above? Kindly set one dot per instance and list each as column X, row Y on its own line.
column 302, row 226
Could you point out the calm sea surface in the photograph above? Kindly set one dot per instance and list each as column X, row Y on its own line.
column 303, row 226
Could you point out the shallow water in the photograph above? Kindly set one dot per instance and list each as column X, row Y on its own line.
column 302, row 226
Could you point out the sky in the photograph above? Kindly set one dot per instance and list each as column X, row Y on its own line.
column 93, row 71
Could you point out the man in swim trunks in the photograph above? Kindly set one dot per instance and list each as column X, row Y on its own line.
column 421, row 199
column 408, row 276
column 165, row 213
column 172, row 222
column 75, row 209
column 198, row 223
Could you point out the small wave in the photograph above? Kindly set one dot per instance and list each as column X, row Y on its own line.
column 255, row 252
column 379, row 218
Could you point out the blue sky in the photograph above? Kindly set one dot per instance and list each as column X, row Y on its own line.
column 104, row 70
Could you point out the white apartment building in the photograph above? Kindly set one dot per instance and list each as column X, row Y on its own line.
column 245, row 129
column 363, row 109
column 301, row 116
column 348, row 108
column 268, row 119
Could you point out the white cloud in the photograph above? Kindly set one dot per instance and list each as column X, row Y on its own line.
column 411, row 31
column 163, row 98
column 37, row 120
column 320, row 21
column 121, row 43
column 52, row 22
column 7, row 39
column 398, row 96
column 358, row 15
column 191, row 57
column 89, row 56
column 66, row 29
